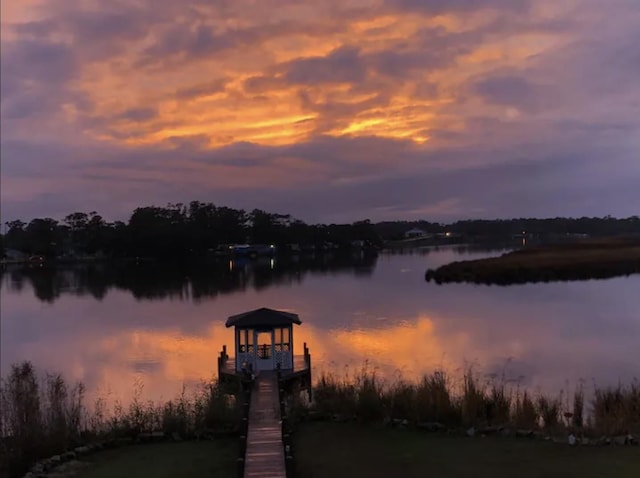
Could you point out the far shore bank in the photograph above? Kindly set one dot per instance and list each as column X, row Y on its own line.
column 582, row 260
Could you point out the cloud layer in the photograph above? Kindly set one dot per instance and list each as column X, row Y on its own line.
column 326, row 110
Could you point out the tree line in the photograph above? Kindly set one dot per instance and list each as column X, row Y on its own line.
column 197, row 228
column 177, row 230
column 506, row 228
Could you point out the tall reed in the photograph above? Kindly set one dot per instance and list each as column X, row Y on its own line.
column 39, row 418
column 43, row 417
column 617, row 409
column 474, row 402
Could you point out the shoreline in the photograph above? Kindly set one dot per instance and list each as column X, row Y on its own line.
column 433, row 403
column 583, row 260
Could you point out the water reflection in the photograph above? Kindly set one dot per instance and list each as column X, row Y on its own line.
column 181, row 281
column 483, row 249
column 111, row 326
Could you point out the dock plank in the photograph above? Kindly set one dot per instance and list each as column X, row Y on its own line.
column 265, row 453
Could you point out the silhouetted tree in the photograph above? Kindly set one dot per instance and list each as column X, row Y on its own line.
column 179, row 231
column 43, row 236
column 16, row 237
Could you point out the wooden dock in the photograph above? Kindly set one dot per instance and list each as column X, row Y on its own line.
column 300, row 373
column 265, row 451
column 227, row 366
column 266, row 369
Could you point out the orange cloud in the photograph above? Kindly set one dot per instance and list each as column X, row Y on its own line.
column 459, row 85
column 395, row 52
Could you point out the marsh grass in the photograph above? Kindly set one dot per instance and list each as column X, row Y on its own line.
column 617, row 409
column 41, row 417
column 472, row 401
column 588, row 259
column 524, row 413
column 577, row 415
column 549, row 411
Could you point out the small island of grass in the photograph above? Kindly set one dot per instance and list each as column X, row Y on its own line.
column 589, row 259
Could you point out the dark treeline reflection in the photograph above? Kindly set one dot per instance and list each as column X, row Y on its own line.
column 184, row 281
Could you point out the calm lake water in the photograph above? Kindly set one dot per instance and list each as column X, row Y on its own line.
column 115, row 328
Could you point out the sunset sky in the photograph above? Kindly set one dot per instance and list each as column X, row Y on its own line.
column 329, row 110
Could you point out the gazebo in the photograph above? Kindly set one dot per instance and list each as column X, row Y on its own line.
column 264, row 339
column 264, row 343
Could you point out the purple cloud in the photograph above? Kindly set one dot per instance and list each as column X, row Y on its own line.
column 342, row 65
column 496, row 108
column 439, row 7
column 138, row 114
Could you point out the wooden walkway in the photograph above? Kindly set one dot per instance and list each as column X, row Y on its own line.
column 265, row 451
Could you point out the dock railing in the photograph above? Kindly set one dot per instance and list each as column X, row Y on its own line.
column 287, row 442
column 245, row 399
column 307, row 362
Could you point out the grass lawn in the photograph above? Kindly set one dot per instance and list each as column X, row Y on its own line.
column 163, row 460
column 335, row 450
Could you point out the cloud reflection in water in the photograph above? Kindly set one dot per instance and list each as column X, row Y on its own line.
column 545, row 335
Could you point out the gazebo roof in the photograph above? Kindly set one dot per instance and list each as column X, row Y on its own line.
column 263, row 318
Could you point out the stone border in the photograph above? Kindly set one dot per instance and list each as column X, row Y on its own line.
column 569, row 438
column 49, row 465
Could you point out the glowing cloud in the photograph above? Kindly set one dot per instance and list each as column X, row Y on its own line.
column 462, row 84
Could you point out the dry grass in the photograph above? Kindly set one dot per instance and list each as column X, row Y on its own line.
column 592, row 259
column 474, row 402
column 617, row 409
column 41, row 417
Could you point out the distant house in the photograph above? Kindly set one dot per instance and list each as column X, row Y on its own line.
column 414, row 233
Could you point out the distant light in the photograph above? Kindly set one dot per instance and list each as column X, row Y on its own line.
column 448, row 234
column 272, row 246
